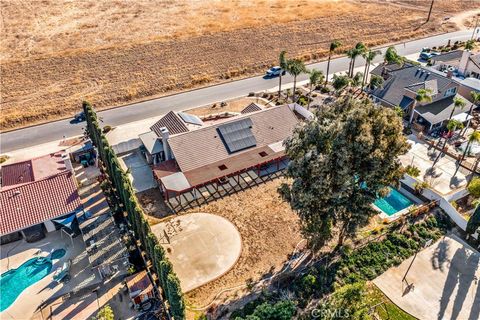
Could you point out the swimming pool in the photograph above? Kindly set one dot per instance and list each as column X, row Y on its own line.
column 14, row 281
column 393, row 202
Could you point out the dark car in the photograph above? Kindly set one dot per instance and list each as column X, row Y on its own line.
column 79, row 117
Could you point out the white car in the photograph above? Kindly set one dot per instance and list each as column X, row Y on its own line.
column 274, row 72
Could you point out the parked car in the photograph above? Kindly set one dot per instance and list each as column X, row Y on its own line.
column 425, row 55
column 79, row 117
column 274, row 72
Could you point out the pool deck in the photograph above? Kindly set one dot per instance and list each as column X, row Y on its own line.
column 16, row 253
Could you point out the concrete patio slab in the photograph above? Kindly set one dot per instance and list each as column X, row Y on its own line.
column 444, row 278
column 201, row 247
column 141, row 174
column 422, row 157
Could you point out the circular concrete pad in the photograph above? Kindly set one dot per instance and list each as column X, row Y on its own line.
column 201, row 247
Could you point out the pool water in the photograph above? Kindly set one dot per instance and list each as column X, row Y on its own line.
column 14, row 281
column 393, row 202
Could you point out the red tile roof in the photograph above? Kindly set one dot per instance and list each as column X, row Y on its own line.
column 172, row 122
column 139, row 284
column 32, row 170
column 17, row 173
column 36, row 202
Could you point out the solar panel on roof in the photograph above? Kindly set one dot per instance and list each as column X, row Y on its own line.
column 237, row 135
column 190, row 118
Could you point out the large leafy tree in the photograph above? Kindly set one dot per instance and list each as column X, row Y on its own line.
column 282, row 310
column 391, row 56
column 339, row 163
column 333, row 46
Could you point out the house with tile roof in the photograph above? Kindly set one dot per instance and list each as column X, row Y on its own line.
column 400, row 87
column 36, row 196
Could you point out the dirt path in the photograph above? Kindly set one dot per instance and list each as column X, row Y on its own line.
column 465, row 20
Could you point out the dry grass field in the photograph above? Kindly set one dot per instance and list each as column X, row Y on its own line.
column 55, row 53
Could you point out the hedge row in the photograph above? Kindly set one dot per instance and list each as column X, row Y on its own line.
column 137, row 222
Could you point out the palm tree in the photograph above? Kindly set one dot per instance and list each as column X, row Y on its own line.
column 333, row 46
column 423, row 95
column 473, row 137
column 457, row 103
column 316, row 77
column 452, row 126
column 369, row 55
column 476, row 100
column 282, row 62
column 353, row 53
column 295, row 67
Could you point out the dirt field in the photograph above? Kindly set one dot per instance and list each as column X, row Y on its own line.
column 57, row 53
column 269, row 232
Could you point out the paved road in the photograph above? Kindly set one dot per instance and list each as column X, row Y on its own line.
column 56, row 130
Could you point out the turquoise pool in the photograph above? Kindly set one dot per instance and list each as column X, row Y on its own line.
column 393, row 202
column 14, row 281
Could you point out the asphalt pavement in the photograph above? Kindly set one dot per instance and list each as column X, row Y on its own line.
column 57, row 130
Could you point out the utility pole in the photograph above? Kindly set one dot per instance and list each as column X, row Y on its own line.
column 430, row 11
column 476, row 26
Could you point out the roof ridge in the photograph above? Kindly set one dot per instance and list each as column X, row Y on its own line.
column 235, row 118
column 15, row 186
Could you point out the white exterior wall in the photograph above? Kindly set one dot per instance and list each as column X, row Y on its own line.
column 49, row 226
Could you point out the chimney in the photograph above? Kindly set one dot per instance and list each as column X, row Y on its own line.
column 68, row 162
column 462, row 66
column 166, row 148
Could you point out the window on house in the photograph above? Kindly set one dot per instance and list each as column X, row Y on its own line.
column 450, row 92
column 222, row 167
column 263, row 154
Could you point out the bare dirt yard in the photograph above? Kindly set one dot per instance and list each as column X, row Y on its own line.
column 269, row 231
column 56, row 53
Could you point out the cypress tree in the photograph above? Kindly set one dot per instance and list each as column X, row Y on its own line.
column 175, row 297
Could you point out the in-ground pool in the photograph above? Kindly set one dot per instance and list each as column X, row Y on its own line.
column 393, row 202
column 14, row 281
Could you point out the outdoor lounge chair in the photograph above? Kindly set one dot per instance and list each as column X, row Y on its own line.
column 63, row 272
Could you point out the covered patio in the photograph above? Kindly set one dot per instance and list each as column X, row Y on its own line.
column 197, row 187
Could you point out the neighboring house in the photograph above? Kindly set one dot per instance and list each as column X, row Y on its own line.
column 460, row 62
column 140, row 288
column 400, row 87
column 215, row 151
column 37, row 196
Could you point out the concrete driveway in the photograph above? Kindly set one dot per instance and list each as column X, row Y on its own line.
column 141, row 174
column 444, row 278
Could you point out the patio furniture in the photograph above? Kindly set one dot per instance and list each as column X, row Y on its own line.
column 63, row 272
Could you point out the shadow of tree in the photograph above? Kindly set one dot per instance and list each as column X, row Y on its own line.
column 439, row 258
column 461, row 275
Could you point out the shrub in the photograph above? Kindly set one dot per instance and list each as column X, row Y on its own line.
column 412, row 171
column 474, row 187
column 107, row 129
column 105, row 313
